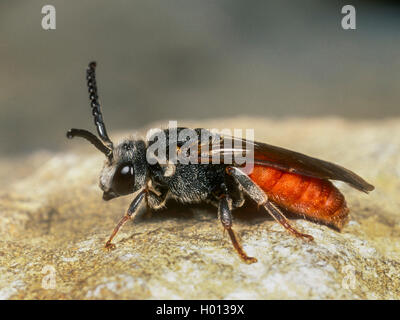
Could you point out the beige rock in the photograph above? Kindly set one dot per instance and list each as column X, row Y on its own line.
column 54, row 222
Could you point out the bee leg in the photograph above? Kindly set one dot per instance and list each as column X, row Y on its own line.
column 278, row 216
column 130, row 214
column 225, row 216
column 148, row 214
column 156, row 199
column 259, row 196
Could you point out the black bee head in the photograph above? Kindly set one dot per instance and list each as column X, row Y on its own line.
column 126, row 172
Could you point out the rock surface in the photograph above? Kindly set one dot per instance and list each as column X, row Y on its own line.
column 53, row 226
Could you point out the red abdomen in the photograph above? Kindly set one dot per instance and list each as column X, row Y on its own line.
column 314, row 198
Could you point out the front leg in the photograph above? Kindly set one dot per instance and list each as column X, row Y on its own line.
column 155, row 199
column 130, row 214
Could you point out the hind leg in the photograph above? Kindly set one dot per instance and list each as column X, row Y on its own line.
column 259, row 196
column 278, row 216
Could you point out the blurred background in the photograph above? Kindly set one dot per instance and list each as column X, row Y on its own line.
column 185, row 59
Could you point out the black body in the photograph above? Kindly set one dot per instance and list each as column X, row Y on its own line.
column 187, row 183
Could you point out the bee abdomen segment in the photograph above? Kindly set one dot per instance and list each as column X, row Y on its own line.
column 316, row 199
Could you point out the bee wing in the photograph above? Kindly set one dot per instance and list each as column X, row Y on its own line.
column 286, row 160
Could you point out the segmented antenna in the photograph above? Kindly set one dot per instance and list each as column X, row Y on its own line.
column 104, row 145
column 94, row 103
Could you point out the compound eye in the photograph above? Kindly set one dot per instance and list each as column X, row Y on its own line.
column 124, row 180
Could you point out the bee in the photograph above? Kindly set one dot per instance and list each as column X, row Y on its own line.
column 278, row 179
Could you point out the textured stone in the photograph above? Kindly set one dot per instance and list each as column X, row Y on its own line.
column 52, row 214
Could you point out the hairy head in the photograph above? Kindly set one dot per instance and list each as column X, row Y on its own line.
column 126, row 172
